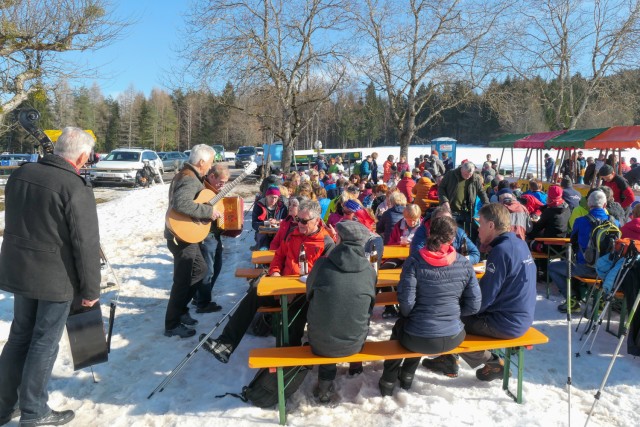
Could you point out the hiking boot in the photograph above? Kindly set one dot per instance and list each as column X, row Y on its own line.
column 386, row 387
column 181, row 331
column 5, row 419
column 406, row 379
column 54, row 418
column 575, row 306
column 355, row 368
column 446, row 364
column 187, row 320
column 324, row 391
column 220, row 350
column 492, row 370
column 212, row 307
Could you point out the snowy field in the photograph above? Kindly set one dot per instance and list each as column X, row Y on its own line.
column 131, row 234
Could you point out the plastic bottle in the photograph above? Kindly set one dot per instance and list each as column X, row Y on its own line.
column 302, row 261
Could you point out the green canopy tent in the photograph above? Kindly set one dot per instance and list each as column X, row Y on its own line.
column 507, row 141
column 568, row 141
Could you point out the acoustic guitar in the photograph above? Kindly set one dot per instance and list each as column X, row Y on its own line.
column 193, row 230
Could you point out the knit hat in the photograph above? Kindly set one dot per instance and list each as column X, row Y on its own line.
column 407, row 174
column 272, row 191
column 505, row 191
column 566, row 182
column 353, row 231
column 554, row 196
column 352, row 205
column 605, row 170
column 427, row 174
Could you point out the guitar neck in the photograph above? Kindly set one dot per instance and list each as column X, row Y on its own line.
column 227, row 188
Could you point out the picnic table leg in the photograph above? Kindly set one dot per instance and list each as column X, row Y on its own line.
column 285, row 319
column 547, row 269
column 507, row 367
column 281, row 400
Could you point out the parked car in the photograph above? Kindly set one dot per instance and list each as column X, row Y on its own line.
column 245, row 155
column 15, row 159
column 122, row 164
column 219, row 153
column 173, row 160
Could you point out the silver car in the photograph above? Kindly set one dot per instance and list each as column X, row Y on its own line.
column 173, row 160
column 122, row 164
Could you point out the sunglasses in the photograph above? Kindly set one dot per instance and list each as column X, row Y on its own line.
column 303, row 221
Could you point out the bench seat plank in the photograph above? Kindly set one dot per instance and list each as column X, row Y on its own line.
column 380, row 350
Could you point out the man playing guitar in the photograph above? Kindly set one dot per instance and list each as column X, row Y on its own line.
column 211, row 247
column 189, row 268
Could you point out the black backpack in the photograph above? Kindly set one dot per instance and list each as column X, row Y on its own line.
column 262, row 391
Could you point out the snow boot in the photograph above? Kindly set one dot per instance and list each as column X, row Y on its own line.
column 324, row 391
column 446, row 364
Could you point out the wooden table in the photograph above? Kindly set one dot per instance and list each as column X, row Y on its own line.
column 283, row 286
column 390, row 251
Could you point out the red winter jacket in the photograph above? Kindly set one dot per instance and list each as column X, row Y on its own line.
column 622, row 192
column 405, row 186
column 285, row 260
column 631, row 230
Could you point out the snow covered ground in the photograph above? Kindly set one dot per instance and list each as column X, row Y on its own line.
column 131, row 234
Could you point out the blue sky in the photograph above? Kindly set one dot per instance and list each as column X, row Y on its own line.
column 144, row 52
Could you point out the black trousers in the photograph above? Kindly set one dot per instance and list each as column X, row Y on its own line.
column 241, row 319
column 418, row 345
column 189, row 268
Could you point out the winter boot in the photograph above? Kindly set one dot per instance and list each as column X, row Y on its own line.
column 446, row 364
column 406, row 379
column 220, row 350
column 492, row 370
column 386, row 387
column 324, row 391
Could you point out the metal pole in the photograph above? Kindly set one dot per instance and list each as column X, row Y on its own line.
column 186, row 359
column 569, row 352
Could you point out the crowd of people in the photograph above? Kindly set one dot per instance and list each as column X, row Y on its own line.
column 329, row 222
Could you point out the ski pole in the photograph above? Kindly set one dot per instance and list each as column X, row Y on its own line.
column 186, row 359
column 623, row 335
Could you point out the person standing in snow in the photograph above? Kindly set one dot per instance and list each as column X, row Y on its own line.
column 50, row 254
column 189, row 267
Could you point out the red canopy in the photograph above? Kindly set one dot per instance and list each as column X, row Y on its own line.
column 617, row 137
column 537, row 140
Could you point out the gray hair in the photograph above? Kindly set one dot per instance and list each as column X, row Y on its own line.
column 597, row 199
column 201, row 152
column 608, row 192
column 468, row 167
column 73, row 142
column 311, row 206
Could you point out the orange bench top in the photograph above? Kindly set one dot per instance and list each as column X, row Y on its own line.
column 381, row 350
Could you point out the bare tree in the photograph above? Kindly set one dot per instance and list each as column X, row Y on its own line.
column 289, row 50
column 576, row 44
column 35, row 33
column 415, row 49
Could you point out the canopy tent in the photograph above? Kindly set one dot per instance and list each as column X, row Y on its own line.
column 537, row 140
column 507, row 141
column 573, row 139
column 618, row 137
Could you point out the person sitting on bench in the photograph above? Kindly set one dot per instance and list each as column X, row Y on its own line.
column 436, row 287
column 341, row 295
column 508, row 295
column 317, row 241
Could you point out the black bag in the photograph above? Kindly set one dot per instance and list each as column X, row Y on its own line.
column 262, row 391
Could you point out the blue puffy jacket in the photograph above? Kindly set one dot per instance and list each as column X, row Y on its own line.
column 387, row 220
column 433, row 296
column 420, row 240
column 509, row 286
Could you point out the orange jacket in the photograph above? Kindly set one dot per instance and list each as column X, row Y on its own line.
column 421, row 193
column 386, row 169
column 285, row 260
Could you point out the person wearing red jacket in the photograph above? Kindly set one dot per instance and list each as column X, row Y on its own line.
column 622, row 192
column 386, row 168
column 406, row 185
column 316, row 240
column 631, row 230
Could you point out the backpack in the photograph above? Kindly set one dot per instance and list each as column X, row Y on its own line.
column 604, row 234
column 262, row 391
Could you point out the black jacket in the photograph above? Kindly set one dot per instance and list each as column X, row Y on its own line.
column 51, row 246
column 341, row 294
column 553, row 222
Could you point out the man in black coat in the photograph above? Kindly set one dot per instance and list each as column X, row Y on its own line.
column 50, row 253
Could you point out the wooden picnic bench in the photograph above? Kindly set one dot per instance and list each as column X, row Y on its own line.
column 277, row 358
